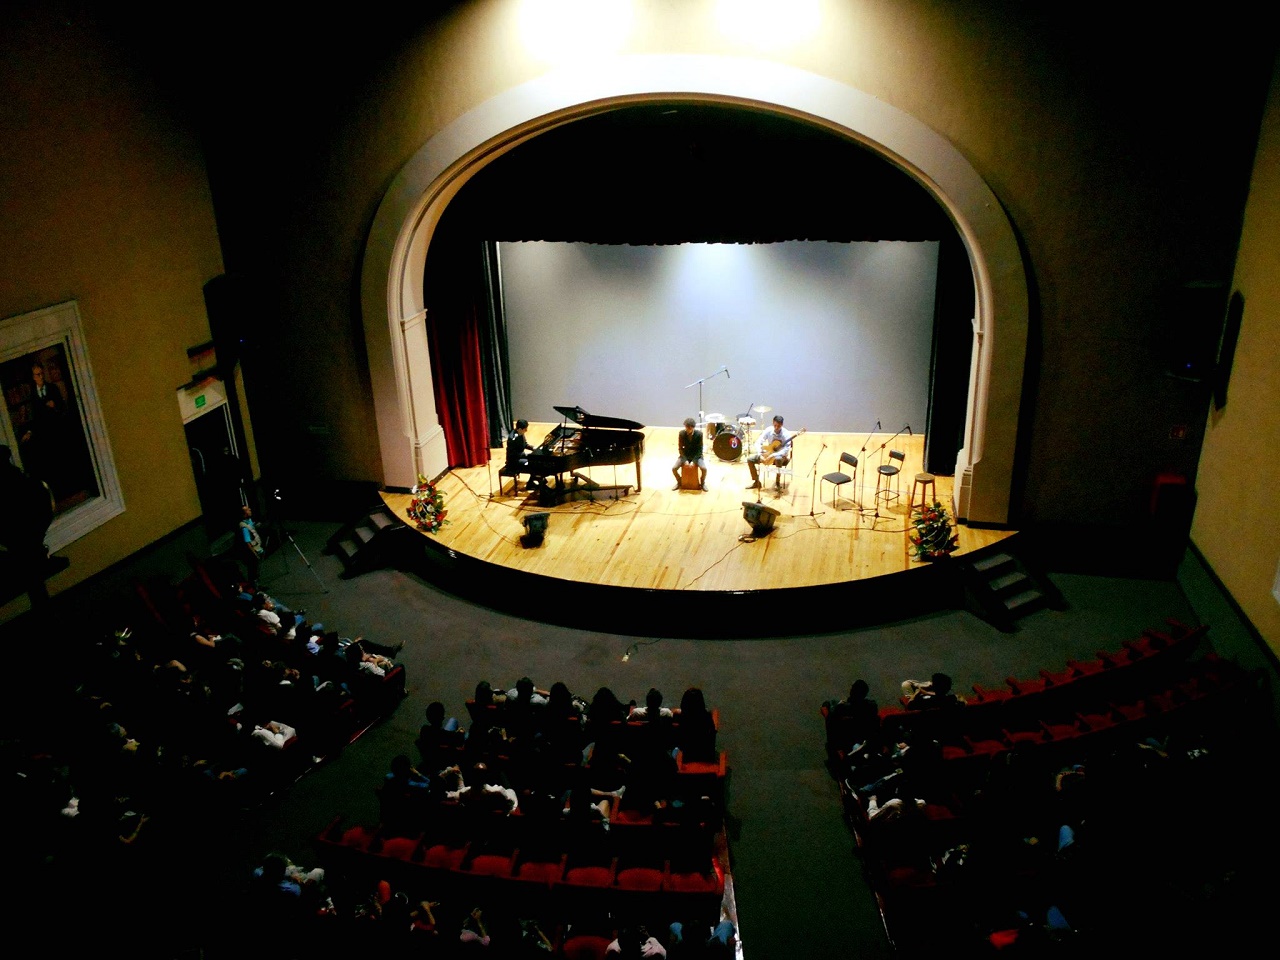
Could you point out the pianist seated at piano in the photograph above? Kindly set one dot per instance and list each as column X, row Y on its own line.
column 584, row 442
column 689, row 446
column 518, row 447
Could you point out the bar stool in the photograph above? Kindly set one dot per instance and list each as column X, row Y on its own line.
column 928, row 490
column 889, row 477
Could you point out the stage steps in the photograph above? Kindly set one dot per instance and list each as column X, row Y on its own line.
column 1000, row 588
column 370, row 542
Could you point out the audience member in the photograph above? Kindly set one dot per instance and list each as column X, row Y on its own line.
column 929, row 694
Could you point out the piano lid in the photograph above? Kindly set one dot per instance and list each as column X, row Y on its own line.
column 584, row 419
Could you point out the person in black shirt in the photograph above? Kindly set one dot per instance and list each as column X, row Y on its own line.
column 518, row 447
column 689, row 444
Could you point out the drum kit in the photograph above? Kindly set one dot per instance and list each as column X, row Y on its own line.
column 728, row 440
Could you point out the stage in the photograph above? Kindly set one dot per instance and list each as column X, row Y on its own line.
column 668, row 553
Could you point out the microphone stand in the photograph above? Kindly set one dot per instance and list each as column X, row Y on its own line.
column 702, row 417
column 814, row 484
column 862, row 466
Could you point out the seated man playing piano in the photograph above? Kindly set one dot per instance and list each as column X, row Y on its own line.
column 775, row 447
column 689, row 443
column 518, row 447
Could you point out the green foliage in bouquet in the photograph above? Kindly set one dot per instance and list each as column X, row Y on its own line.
column 933, row 537
column 426, row 509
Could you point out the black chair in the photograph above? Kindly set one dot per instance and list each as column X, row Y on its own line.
column 837, row 478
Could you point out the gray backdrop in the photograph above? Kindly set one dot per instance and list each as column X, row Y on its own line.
column 833, row 335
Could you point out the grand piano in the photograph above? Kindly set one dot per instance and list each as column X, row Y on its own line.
column 581, row 441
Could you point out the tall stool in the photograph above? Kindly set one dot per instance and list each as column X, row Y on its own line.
column 889, row 477
column 928, row 490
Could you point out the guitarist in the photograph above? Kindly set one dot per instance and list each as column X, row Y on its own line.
column 774, row 448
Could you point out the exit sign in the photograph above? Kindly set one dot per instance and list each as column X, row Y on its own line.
column 200, row 401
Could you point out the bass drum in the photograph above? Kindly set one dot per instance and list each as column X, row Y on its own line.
column 728, row 443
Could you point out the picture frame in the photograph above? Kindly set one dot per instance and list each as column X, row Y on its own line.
column 52, row 421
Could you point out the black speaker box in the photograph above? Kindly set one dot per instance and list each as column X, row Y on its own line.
column 1193, row 330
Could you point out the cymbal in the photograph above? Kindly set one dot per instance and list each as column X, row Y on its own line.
column 759, row 409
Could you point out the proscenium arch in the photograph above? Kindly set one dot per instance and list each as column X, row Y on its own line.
column 409, row 433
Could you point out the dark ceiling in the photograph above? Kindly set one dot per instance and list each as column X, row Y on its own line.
column 679, row 173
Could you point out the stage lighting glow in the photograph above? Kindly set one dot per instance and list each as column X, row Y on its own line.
column 560, row 30
column 768, row 24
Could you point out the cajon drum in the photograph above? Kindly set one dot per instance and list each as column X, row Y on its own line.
column 689, row 477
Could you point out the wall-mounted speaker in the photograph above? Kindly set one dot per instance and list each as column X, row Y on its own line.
column 1227, row 351
column 1193, row 330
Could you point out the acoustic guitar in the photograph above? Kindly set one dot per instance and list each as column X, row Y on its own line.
column 770, row 450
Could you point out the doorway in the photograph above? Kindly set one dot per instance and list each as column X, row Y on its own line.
column 218, row 470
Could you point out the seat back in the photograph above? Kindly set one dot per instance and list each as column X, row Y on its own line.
column 849, row 460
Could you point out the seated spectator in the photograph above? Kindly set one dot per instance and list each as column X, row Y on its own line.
column 404, row 776
column 685, row 943
column 605, row 712
column 525, row 692
column 274, row 734
column 653, row 708
column 929, row 694
column 439, row 739
column 487, row 792
column 854, row 720
column 634, row 943
column 696, row 734
column 474, row 934
column 280, row 623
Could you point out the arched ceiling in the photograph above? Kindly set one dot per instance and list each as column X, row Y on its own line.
column 686, row 172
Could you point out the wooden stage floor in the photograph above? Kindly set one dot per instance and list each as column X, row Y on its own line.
column 661, row 539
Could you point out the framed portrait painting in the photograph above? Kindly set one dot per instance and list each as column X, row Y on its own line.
column 52, row 422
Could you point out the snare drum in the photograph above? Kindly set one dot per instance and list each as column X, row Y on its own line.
column 715, row 423
column 728, row 443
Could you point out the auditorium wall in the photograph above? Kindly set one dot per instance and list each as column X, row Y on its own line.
column 106, row 202
column 1240, row 467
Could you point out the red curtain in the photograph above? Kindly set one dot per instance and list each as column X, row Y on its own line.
column 454, row 339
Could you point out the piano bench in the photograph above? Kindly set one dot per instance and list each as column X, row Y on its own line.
column 514, row 474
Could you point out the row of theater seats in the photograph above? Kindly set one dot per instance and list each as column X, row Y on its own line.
column 210, row 597
column 293, row 722
column 1086, row 697
column 654, row 853
column 546, row 875
column 969, row 816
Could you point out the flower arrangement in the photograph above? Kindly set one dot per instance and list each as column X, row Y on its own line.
column 426, row 509
column 933, row 538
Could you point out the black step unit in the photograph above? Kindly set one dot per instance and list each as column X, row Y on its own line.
column 1000, row 588
column 374, row 540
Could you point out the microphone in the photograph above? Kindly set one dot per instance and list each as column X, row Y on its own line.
column 727, row 374
column 877, row 424
column 909, row 433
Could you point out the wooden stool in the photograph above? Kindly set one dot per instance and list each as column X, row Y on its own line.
column 928, row 491
column 689, row 477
